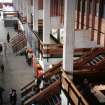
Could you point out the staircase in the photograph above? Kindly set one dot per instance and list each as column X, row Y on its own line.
column 53, row 100
column 50, row 78
column 18, row 43
column 92, row 60
column 96, row 59
column 48, row 93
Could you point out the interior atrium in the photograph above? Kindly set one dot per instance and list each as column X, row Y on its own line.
column 52, row 52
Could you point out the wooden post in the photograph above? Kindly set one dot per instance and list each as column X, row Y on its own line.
column 78, row 13
column 101, row 9
column 93, row 18
column 82, row 14
column 87, row 14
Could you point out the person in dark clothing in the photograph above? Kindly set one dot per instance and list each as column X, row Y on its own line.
column 2, row 68
column 13, row 97
column 1, row 48
column 8, row 37
column 1, row 97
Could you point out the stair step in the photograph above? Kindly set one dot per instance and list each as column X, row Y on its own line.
column 101, row 56
column 95, row 61
column 92, row 63
column 97, row 58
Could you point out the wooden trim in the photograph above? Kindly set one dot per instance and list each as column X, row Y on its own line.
column 82, row 13
column 101, row 9
column 93, row 18
column 78, row 13
column 87, row 14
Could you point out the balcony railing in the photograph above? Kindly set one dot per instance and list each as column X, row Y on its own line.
column 72, row 91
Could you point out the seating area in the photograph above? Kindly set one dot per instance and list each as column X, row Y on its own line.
column 18, row 42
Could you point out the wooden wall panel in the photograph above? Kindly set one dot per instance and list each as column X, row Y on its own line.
column 57, row 9
column 87, row 13
column 40, row 4
column 102, row 39
column 101, row 9
column 93, row 18
column 78, row 13
column 103, row 26
column 82, row 13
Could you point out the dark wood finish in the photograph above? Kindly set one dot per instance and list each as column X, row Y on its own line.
column 78, row 13
column 87, row 14
column 40, row 4
column 101, row 9
column 72, row 91
column 82, row 13
column 45, row 93
column 93, row 18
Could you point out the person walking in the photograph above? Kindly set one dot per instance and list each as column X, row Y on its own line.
column 2, row 68
column 8, row 37
column 1, row 48
column 13, row 97
column 5, row 48
column 1, row 97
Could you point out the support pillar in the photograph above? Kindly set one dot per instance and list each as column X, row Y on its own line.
column 69, row 25
column 46, row 21
column 28, row 11
column 35, row 15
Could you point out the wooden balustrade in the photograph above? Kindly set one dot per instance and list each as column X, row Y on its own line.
column 87, row 57
column 56, row 69
column 72, row 91
column 52, row 89
column 27, row 85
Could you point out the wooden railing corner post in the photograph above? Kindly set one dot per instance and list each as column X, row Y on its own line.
column 79, row 100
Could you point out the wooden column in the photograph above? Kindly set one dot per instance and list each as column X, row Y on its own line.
column 82, row 14
column 93, row 18
column 101, row 9
column 78, row 13
column 87, row 14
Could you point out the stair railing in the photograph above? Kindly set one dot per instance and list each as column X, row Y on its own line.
column 45, row 93
column 72, row 91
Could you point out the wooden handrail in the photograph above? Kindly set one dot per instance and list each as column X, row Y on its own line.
column 87, row 72
column 45, row 93
column 54, row 70
column 81, row 63
column 72, row 91
column 27, row 85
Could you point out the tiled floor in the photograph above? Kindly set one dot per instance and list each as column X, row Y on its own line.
column 17, row 73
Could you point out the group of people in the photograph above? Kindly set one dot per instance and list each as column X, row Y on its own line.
column 12, row 96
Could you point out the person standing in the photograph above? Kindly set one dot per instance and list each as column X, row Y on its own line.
column 5, row 48
column 13, row 97
column 1, row 48
column 2, row 68
column 8, row 37
column 1, row 97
